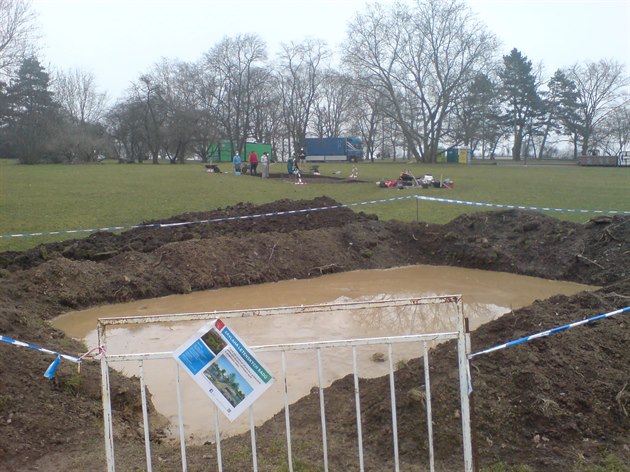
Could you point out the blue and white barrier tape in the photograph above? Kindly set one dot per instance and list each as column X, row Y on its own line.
column 550, row 332
column 283, row 213
column 214, row 220
column 308, row 210
column 72, row 231
column 50, row 371
column 518, row 207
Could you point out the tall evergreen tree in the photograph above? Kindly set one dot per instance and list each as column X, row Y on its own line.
column 519, row 91
column 33, row 114
column 4, row 105
column 479, row 116
column 562, row 106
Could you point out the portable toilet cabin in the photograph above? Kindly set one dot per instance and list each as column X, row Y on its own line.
column 441, row 157
column 451, row 155
column 463, row 155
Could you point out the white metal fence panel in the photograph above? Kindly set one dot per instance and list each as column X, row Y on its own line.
column 463, row 347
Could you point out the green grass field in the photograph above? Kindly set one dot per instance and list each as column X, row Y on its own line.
column 47, row 198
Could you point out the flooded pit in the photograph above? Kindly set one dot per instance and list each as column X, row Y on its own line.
column 486, row 296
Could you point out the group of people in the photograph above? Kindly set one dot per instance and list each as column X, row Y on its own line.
column 253, row 164
column 293, row 164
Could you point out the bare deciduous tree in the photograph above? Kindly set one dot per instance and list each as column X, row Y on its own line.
column 368, row 120
column 171, row 95
column 77, row 94
column 264, row 101
column 420, row 58
column 300, row 76
column 208, row 130
column 333, row 105
column 181, row 114
column 613, row 134
column 602, row 87
column 125, row 124
column 17, row 31
column 234, row 62
column 147, row 92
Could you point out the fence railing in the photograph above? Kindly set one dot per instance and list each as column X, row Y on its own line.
column 425, row 339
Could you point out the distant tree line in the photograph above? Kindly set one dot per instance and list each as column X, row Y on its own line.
column 413, row 79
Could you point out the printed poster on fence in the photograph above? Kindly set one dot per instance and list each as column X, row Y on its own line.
column 224, row 367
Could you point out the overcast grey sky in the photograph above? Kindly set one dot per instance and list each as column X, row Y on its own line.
column 117, row 40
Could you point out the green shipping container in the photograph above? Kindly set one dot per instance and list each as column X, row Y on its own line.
column 222, row 151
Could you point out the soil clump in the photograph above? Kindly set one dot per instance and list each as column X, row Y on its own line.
column 549, row 404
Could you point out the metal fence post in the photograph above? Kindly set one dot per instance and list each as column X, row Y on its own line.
column 107, row 404
column 463, row 367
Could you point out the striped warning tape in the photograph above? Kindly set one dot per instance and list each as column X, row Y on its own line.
column 518, row 207
column 214, row 220
column 550, row 332
column 37, row 348
column 73, row 231
column 50, row 371
column 308, row 210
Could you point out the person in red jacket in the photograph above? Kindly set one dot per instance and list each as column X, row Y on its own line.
column 253, row 162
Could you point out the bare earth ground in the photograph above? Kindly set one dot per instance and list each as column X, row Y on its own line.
column 550, row 404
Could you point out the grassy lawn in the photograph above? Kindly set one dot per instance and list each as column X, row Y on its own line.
column 47, row 198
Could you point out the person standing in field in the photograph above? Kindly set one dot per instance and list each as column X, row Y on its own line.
column 236, row 162
column 290, row 163
column 302, row 157
column 296, row 164
column 264, row 159
column 297, row 175
column 253, row 162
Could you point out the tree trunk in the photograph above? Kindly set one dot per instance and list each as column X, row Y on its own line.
column 518, row 144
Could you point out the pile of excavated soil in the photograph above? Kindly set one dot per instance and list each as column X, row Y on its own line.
column 548, row 404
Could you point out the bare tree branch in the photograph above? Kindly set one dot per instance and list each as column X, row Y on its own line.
column 17, row 34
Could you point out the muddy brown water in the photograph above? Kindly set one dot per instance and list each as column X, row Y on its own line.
column 486, row 296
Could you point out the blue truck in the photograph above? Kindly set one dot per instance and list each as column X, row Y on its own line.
column 333, row 149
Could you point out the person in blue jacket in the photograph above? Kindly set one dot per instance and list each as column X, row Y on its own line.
column 236, row 162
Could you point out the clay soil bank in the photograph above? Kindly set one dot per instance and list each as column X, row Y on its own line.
column 548, row 404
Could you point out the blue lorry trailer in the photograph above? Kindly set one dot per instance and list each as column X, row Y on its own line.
column 333, row 149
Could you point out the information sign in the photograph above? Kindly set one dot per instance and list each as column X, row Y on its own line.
column 224, row 367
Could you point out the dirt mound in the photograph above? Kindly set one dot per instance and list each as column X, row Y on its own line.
column 530, row 243
column 544, row 403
